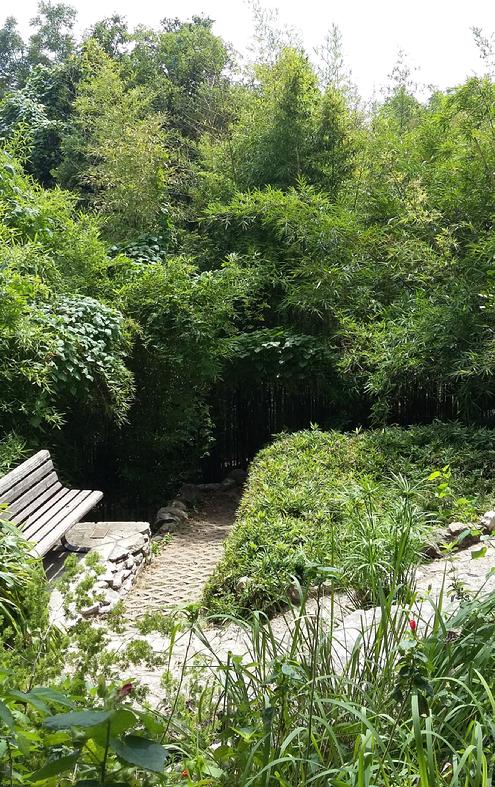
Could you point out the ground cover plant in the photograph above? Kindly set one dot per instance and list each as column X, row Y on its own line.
column 351, row 500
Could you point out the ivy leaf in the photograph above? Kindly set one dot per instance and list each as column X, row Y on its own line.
column 477, row 553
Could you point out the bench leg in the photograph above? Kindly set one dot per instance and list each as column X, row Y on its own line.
column 71, row 548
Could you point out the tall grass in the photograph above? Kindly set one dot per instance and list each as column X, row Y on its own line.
column 403, row 708
column 400, row 703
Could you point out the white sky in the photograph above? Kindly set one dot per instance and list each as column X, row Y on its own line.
column 435, row 34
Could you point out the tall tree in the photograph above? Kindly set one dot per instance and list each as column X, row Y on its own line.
column 53, row 38
column 12, row 56
column 114, row 150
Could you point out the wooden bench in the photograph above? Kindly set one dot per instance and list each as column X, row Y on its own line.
column 40, row 506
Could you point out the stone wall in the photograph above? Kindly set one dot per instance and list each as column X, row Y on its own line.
column 118, row 551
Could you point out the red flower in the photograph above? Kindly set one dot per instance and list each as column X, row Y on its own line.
column 126, row 689
column 413, row 625
column 185, row 774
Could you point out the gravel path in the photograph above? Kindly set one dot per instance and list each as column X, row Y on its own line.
column 178, row 573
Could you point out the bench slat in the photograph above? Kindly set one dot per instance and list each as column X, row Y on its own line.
column 44, row 517
column 27, row 467
column 18, row 511
column 60, row 527
column 27, row 482
column 49, row 507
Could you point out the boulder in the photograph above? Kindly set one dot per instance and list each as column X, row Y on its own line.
column 170, row 526
column 171, row 510
column 178, row 504
column 488, row 521
column 168, row 519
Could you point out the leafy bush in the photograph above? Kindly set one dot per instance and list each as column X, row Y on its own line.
column 327, row 498
column 19, row 575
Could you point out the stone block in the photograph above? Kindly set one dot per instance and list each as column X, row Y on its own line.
column 117, row 580
column 118, row 553
column 488, row 521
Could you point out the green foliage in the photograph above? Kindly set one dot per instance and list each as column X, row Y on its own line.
column 115, row 148
column 286, row 130
column 12, row 52
column 52, row 39
column 336, row 499
column 19, row 575
column 184, row 326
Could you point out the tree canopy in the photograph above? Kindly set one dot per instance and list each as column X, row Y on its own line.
column 190, row 245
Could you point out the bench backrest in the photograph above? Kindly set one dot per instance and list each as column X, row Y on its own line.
column 40, row 505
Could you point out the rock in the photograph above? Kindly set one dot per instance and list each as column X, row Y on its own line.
column 242, row 583
column 104, row 551
column 432, row 551
column 172, row 511
column 117, row 580
column 178, row 504
column 118, row 553
column 130, row 562
column 167, row 516
column 111, row 597
column 144, row 528
column 238, row 475
column 455, row 529
column 455, row 532
column 105, row 578
column 210, row 487
column 488, row 521
column 170, row 526
column 91, row 609
column 228, row 483
column 189, row 493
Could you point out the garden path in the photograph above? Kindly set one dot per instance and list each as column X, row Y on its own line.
column 177, row 574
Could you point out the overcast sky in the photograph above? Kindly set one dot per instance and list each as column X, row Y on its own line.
column 435, row 34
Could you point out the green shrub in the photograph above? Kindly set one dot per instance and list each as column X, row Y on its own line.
column 330, row 498
column 20, row 574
